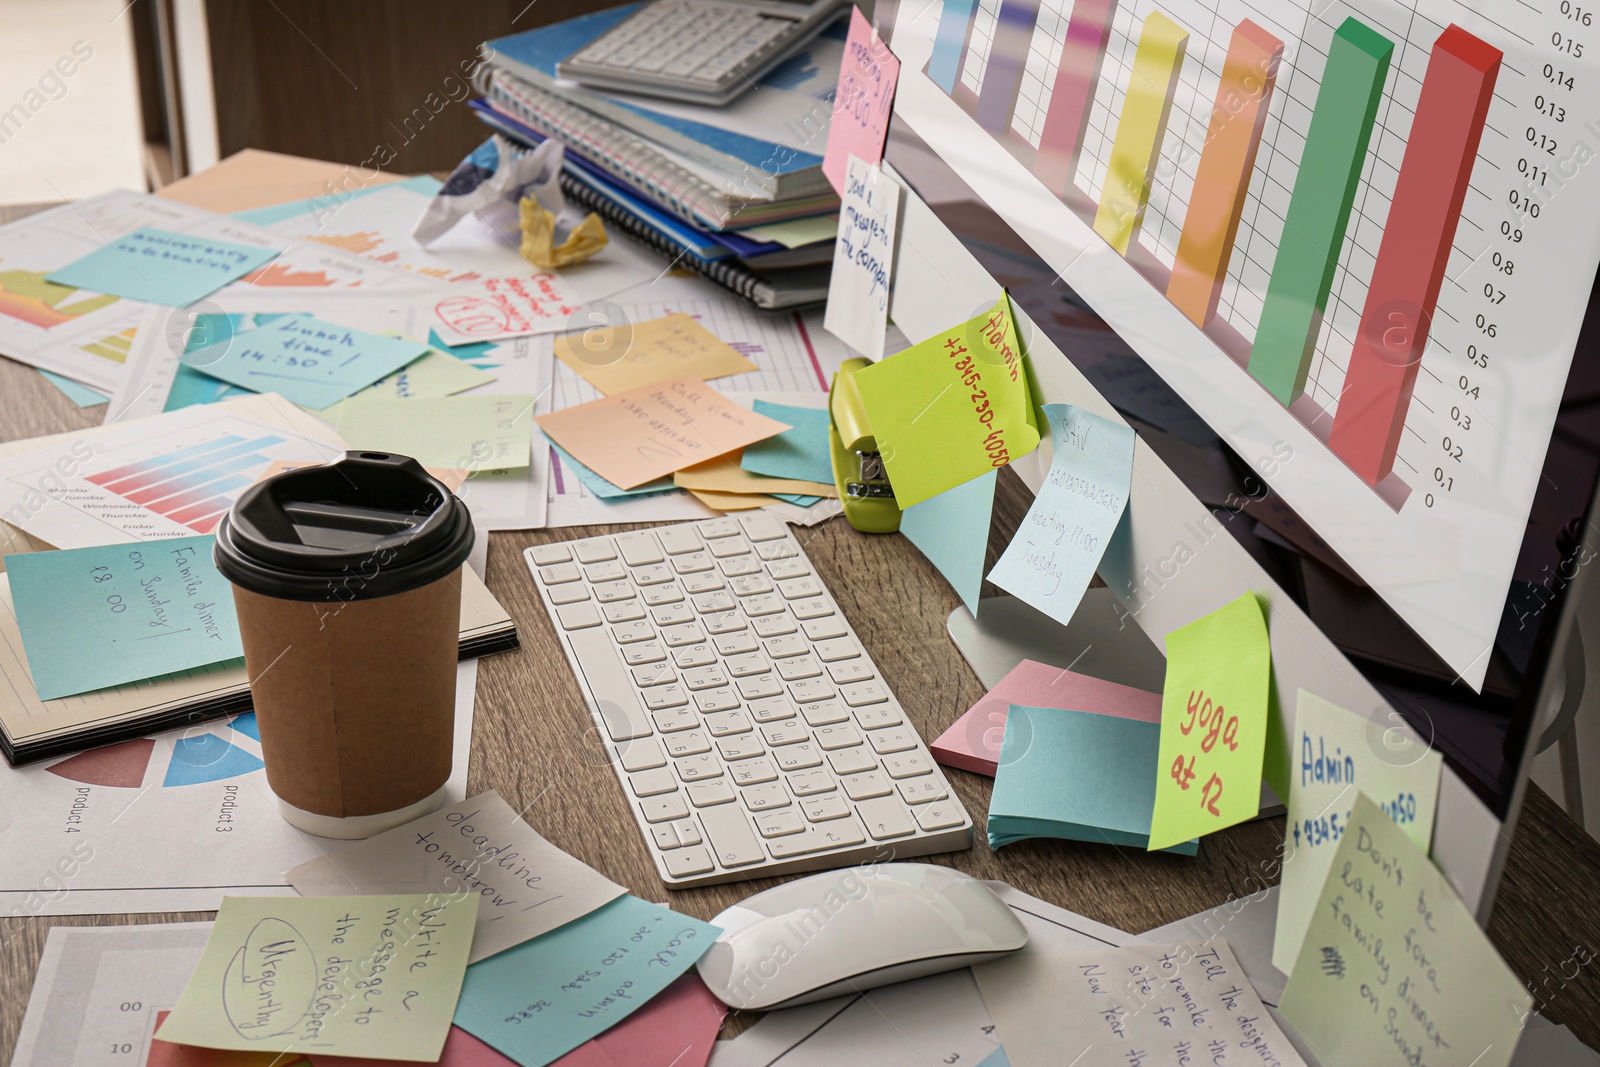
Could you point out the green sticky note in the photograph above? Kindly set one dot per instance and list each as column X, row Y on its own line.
column 952, row 530
column 1336, row 755
column 951, row 408
column 435, row 374
column 82, row 395
column 800, row 452
column 472, row 433
column 102, row 616
column 311, row 362
column 1394, row 972
column 162, row 267
column 1213, row 723
column 374, row 976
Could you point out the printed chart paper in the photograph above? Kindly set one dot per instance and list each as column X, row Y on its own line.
column 365, row 976
column 162, row 267
column 525, row 885
column 97, row 617
column 863, row 259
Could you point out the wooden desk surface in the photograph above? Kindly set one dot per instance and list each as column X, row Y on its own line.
column 534, row 743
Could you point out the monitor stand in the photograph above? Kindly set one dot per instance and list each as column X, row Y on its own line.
column 1100, row 641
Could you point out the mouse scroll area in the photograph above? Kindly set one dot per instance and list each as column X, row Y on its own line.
column 855, row 929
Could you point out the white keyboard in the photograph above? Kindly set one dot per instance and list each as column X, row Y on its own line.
column 749, row 727
column 705, row 51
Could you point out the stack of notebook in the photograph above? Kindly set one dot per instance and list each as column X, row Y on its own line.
column 709, row 187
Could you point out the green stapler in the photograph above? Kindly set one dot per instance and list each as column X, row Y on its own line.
column 858, row 471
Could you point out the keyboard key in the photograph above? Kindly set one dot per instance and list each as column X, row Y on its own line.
column 773, row 625
column 878, row 715
column 610, row 571
column 773, row 709
column 907, row 764
column 698, row 678
column 835, row 737
column 629, row 632
column 921, row 790
column 611, row 692
column 885, row 818
column 729, row 548
column 655, row 574
column 799, row 588
column 939, row 816
column 840, row 833
column 748, row 665
column 860, row 694
column 687, row 743
column 653, row 674
column 785, row 733
column 759, row 687
column 640, row 754
column 765, row 797
column 623, row 611
column 709, row 792
column 545, row 555
column 815, row 608
column 684, row 862
column 754, row 606
column 776, row 550
column 729, row 834
column 709, row 700
column 688, row 832
column 679, row 539
column 733, row 644
column 763, row 526
column 869, row 784
column 785, row 646
column 688, row 633
column 658, row 595
column 824, row 712
column 693, row 656
column 852, row 761
column 838, row 648
column 798, row 757
column 650, row 783
column 708, row 603
column 724, row 622
column 748, row 585
column 659, row 697
column 892, row 739
column 740, row 565
column 776, row 824
column 692, row 563
column 664, row 808
column 671, row 720
column 740, row 746
column 570, row 593
column 694, row 768
column 855, row 670
column 639, row 548
column 595, row 550
column 810, row 783
column 798, row 667
column 812, row 689
column 559, row 573
column 714, row 529
column 753, row 771
column 823, row 808
column 672, row 614
column 612, row 592
column 823, row 629
column 704, row 582
column 664, row 836
column 577, row 616
column 643, row 652
column 723, row 723
column 787, row 568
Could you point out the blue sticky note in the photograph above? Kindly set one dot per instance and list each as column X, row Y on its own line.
column 1076, row 775
column 309, row 361
column 952, row 530
column 82, row 395
column 162, row 267
column 543, row 998
column 102, row 616
column 1058, row 547
column 799, row 452
column 606, row 490
column 796, row 499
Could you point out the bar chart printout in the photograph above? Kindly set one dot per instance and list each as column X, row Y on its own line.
column 1066, row 120
column 1404, row 291
column 193, row 486
column 1145, row 109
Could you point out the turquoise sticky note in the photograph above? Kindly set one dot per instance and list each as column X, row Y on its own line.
column 97, row 617
column 797, row 499
column 603, row 489
column 543, row 998
column 799, row 452
column 952, row 530
column 162, row 267
column 309, row 361
column 80, row 394
column 1058, row 547
column 1076, row 775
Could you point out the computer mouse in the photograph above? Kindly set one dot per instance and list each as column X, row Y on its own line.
column 848, row 930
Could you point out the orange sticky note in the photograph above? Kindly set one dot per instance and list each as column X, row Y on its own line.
column 647, row 433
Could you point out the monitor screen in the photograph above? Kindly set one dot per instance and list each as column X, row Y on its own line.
column 1333, row 262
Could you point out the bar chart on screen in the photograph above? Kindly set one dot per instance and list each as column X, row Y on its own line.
column 1375, row 218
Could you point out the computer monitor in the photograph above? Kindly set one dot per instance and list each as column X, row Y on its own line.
column 1333, row 263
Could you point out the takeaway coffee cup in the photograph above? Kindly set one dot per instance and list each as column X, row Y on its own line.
column 347, row 583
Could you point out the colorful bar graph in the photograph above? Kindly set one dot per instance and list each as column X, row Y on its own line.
column 1066, row 120
column 1319, row 208
column 1423, row 214
column 192, row 486
column 1222, row 177
column 950, row 42
column 162, row 470
column 176, row 502
column 1008, row 55
column 202, row 517
column 1143, row 122
column 147, row 465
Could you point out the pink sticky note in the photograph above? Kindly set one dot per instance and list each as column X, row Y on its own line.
column 678, row 1027
column 862, row 101
column 461, row 1049
column 972, row 742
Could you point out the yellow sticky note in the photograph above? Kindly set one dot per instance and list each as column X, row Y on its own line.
column 952, row 408
column 646, row 433
column 619, row 358
column 725, row 475
column 1393, row 971
column 1213, row 724
column 731, row 501
column 371, row 976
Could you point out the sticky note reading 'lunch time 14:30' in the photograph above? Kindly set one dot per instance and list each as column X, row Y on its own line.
column 1394, row 972
column 375, row 976
column 1213, row 723
column 309, row 361
column 951, row 408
